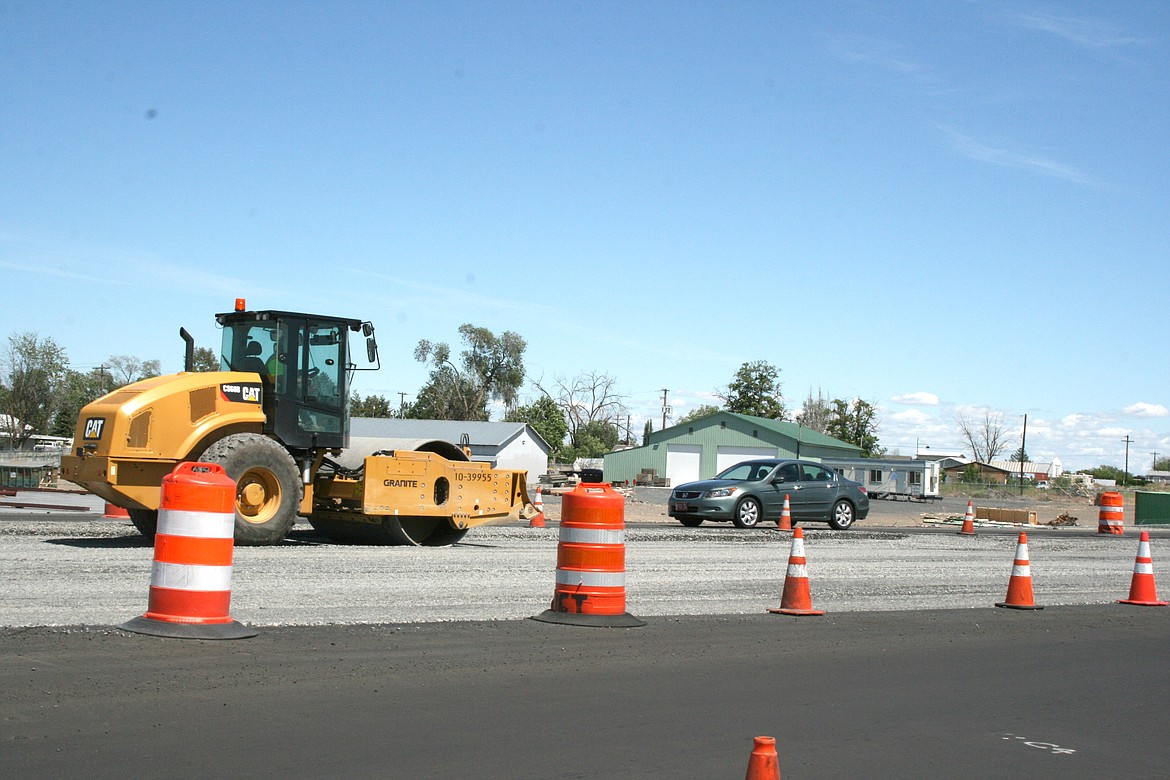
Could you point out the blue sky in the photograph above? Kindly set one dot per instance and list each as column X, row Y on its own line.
column 941, row 207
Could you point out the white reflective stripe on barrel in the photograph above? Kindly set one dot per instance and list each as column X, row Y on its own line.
column 1143, row 568
column 798, row 570
column 1021, row 570
column 203, row 525
column 591, row 579
column 181, row 576
column 573, row 535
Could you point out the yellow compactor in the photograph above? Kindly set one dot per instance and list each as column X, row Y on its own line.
column 276, row 417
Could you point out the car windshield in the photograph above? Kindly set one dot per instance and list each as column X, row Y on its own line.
column 747, row 472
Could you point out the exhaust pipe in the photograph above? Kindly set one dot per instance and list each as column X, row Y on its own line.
column 189, row 357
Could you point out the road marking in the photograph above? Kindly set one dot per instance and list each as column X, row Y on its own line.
column 1049, row 746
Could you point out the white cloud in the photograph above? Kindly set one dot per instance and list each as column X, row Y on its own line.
column 1083, row 31
column 1117, row 432
column 1008, row 158
column 1143, row 409
column 912, row 417
column 925, row 399
column 880, row 53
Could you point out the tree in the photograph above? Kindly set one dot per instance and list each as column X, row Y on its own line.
column 585, row 399
column 854, row 422
column 1020, row 456
column 986, row 437
column 126, row 369
column 546, row 418
column 491, row 368
column 206, row 359
column 647, row 429
column 705, row 410
column 32, row 372
column 815, row 412
column 1162, row 464
column 755, row 390
column 594, row 439
column 76, row 390
column 447, row 397
column 371, row 406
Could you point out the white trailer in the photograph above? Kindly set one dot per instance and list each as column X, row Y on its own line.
column 892, row 478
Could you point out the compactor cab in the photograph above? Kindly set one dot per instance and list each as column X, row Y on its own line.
column 304, row 368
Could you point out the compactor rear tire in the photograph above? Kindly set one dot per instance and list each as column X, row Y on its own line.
column 268, row 486
column 145, row 520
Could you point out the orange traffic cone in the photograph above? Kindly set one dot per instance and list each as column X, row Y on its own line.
column 114, row 512
column 785, row 523
column 764, row 764
column 968, row 528
column 191, row 578
column 537, row 520
column 1019, row 595
column 796, row 599
column 1142, row 590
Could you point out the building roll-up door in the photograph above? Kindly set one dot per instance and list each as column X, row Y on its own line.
column 727, row 455
column 683, row 462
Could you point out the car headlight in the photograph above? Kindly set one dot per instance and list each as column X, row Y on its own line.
column 722, row 492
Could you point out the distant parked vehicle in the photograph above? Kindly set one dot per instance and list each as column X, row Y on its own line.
column 753, row 491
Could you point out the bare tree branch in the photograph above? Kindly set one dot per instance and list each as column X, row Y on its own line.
column 986, row 438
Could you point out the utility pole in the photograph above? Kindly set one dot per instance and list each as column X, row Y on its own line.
column 1128, row 441
column 102, row 369
column 401, row 404
column 1154, row 464
column 665, row 408
column 1023, row 452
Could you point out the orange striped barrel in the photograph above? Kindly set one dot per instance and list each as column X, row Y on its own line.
column 191, row 577
column 1111, row 518
column 591, row 559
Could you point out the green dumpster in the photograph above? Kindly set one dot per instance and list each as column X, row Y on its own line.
column 1151, row 508
column 21, row 476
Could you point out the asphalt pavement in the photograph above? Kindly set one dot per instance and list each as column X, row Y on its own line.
column 1070, row 692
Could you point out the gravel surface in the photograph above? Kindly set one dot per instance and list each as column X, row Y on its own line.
column 97, row 572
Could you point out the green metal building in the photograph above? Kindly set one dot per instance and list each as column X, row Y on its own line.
column 702, row 448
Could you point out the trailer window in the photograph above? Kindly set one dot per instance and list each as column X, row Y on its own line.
column 914, row 477
column 875, row 475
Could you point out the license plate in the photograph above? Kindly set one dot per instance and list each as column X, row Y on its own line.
column 680, row 507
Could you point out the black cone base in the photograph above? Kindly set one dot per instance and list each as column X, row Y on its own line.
column 624, row 620
column 232, row 630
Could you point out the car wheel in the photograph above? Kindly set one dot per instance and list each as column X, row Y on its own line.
column 747, row 513
column 842, row 516
column 691, row 522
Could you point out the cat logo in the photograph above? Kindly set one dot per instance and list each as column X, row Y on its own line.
column 244, row 392
column 93, row 428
